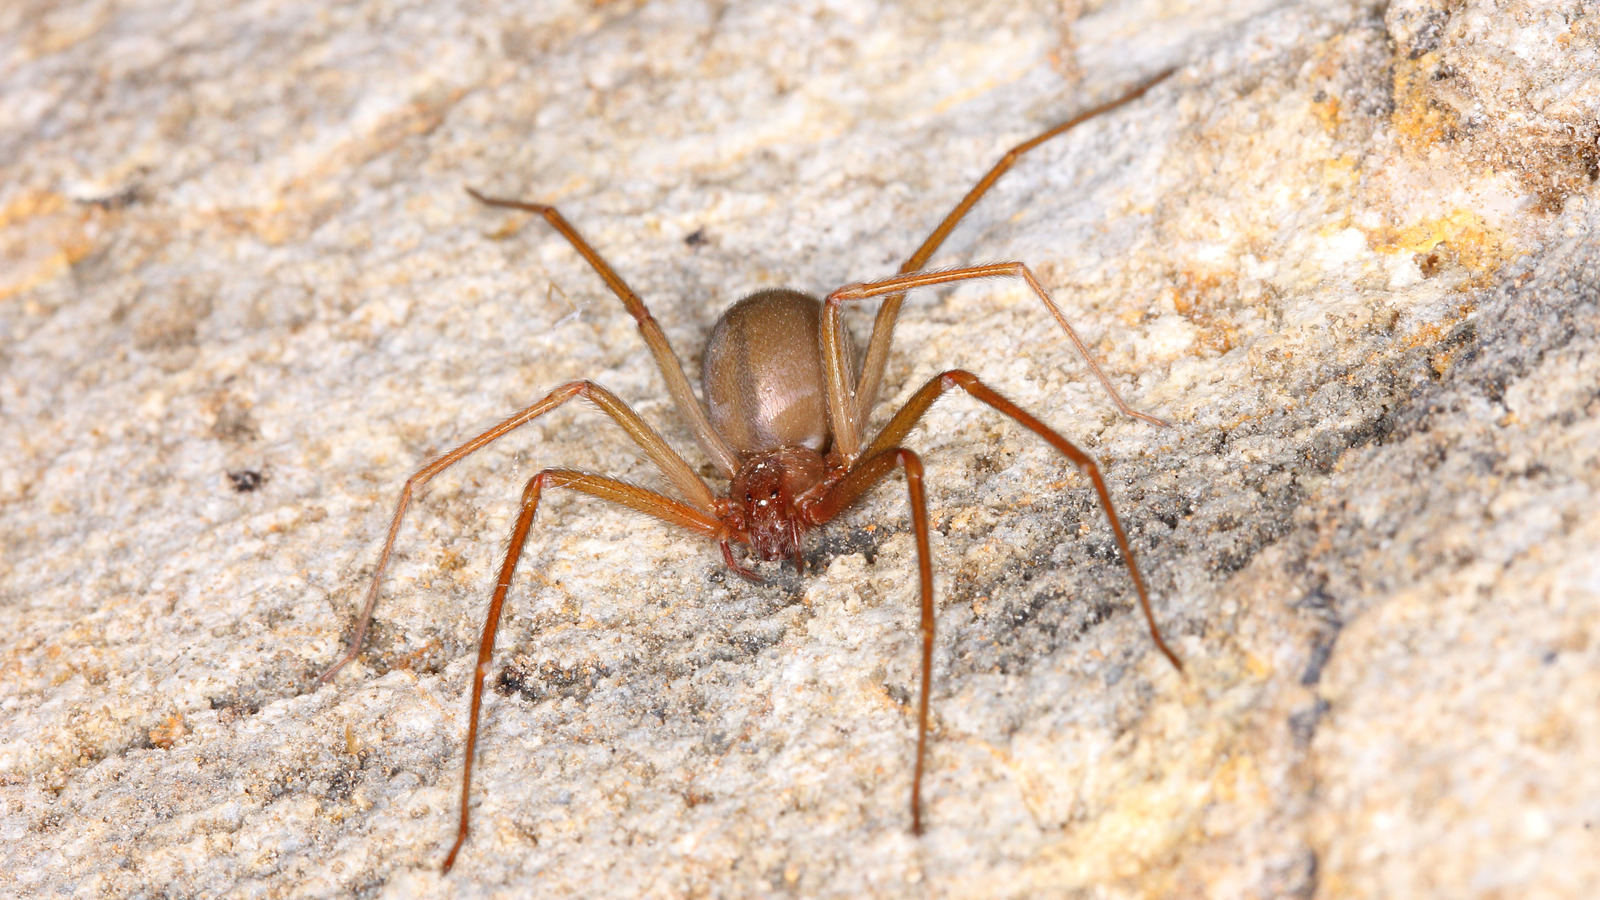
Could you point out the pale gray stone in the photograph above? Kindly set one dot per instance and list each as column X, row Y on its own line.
column 1347, row 250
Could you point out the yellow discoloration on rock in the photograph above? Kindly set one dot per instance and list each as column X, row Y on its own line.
column 168, row 731
column 1327, row 111
column 1419, row 122
column 1461, row 237
column 1204, row 297
column 41, row 237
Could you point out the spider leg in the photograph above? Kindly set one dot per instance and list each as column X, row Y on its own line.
column 621, row 493
column 883, row 326
column 861, row 477
column 661, row 453
column 671, row 369
column 847, row 418
column 918, row 405
column 738, row 567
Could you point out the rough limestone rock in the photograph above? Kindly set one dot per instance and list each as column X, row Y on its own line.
column 1347, row 249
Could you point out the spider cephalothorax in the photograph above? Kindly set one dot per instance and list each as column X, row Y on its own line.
column 767, row 500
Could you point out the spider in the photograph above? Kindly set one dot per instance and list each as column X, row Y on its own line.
column 783, row 418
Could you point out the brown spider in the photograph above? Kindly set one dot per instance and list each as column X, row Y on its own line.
column 783, row 425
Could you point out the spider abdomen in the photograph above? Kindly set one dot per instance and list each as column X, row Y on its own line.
column 763, row 376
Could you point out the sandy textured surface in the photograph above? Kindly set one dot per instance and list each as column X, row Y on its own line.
column 1349, row 251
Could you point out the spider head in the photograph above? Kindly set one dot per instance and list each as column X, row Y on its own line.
column 763, row 496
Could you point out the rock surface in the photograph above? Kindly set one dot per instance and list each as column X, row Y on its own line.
column 1349, row 252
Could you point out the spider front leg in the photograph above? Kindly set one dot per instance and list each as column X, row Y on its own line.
column 667, row 361
column 845, row 492
column 845, row 410
column 883, row 326
column 918, row 405
column 621, row 493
